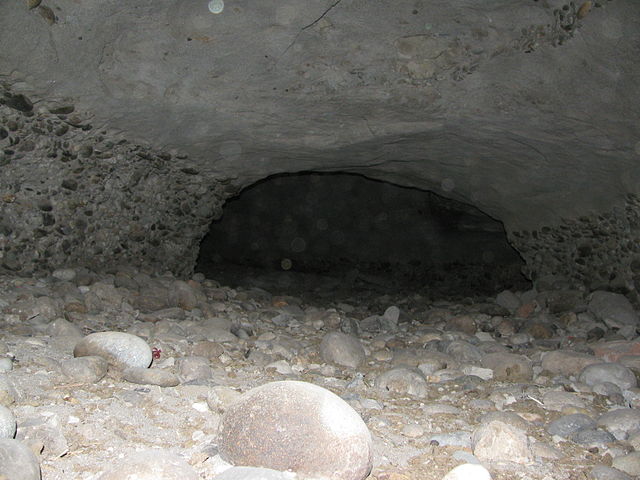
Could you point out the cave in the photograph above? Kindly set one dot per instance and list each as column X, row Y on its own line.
column 337, row 239
column 365, row 231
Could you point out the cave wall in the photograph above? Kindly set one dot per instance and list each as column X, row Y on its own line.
column 332, row 222
column 599, row 251
column 73, row 194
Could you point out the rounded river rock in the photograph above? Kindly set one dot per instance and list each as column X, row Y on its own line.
column 296, row 426
column 120, row 349
column 17, row 461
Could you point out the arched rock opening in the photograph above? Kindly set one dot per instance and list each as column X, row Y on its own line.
column 349, row 226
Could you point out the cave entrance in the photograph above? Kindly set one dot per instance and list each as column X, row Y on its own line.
column 367, row 233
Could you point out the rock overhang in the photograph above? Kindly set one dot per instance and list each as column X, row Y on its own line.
column 525, row 108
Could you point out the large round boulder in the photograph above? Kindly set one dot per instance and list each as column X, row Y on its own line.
column 296, row 426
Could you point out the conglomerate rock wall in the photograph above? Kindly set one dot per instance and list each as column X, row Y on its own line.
column 599, row 251
column 71, row 194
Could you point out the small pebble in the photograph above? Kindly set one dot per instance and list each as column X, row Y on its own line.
column 150, row 376
column 412, row 431
column 192, row 369
column 615, row 373
column 254, row 473
column 90, row 369
column 64, row 274
column 6, row 365
column 152, row 464
column 509, row 366
column 468, row 471
column 402, row 381
column 342, row 349
column 7, row 423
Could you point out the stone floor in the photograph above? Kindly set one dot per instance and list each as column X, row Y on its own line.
column 532, row 385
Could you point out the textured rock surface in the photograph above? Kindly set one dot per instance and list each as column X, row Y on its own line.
column 499, row 442
column 523, row 109
column 342, row 349
column 425, row 411
column 150, row 464
column 18, row 461
column 76, row 194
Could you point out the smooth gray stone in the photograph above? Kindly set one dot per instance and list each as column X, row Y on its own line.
column 7, row 423
column 17, row 461
column 254, row 473
column 569, row 424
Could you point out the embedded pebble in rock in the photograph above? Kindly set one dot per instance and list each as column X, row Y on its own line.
column 88, row 369
column 509, row 366
column 468, row 471
column 7, row 423
column 254, row 473
column 150, row 376
column 569, row 424
column 152, row 464
column 296, row 426
column 620, row 422
column 497, row 441
column 342, row 349
column 120, row 349
column 403, row 381
column 18, row 461
column 629, row 464
column 567, row 362
column 613, row 309
column 615, row 373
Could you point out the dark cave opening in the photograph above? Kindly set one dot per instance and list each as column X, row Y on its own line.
column 365, row 232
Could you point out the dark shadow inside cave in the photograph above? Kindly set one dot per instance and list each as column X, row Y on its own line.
column 361, row 233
